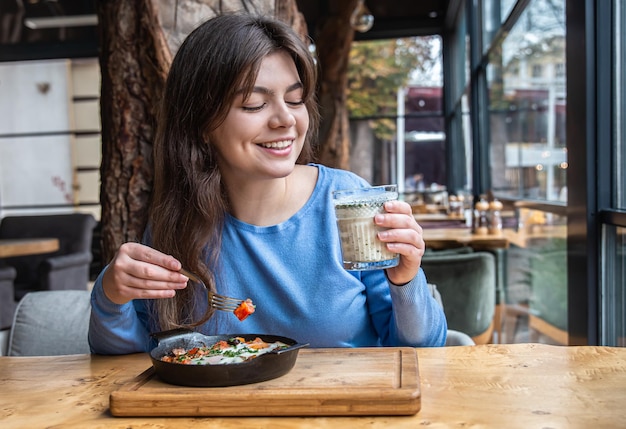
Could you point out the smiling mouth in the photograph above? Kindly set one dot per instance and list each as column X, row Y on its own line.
column 277, row 145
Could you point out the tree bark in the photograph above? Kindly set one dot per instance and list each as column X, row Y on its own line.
column 334, row 40
column 134, row 60
column 287, row 11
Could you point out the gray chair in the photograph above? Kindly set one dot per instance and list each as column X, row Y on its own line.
column 7, row 296
column 466, row 281
column 50, row 323
column 66, row 268
column 457, row 338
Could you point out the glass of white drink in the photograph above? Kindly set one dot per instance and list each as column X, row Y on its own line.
column 355, row 210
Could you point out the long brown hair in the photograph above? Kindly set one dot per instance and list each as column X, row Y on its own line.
column 189, row 201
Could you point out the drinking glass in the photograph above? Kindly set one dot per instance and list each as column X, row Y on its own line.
column 355, row 210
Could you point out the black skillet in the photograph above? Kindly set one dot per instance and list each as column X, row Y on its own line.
column 265, row 367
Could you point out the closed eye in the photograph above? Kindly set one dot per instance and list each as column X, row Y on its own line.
column 253, row 108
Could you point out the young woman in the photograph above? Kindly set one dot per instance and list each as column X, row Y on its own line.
column 237, row 200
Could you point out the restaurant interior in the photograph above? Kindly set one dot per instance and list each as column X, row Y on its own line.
column 502, row 122
column 504, row 150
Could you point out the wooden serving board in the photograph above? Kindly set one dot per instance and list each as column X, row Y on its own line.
column 330, row 382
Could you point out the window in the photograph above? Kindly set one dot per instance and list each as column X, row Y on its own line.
column 382, row 74
column 559, row 70
column 613, row 304
column 527, row 109
column 619, row 103
column 35, row 30
column 612, row 294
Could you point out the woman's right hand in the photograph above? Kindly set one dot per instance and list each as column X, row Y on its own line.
column 139, row 271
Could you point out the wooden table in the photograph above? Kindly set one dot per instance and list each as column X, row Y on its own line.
column 425, row 219
column 501, row 386
column 27, row 246
column 445, row 238
column 522, row 238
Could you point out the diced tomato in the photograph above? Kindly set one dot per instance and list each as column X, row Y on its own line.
column 178, row 351
column 245, row 309
column 258, row 344
column 221, row 345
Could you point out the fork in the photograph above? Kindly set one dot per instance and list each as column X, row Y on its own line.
column 218, row 302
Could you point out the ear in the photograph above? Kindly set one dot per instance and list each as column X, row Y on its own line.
column 206, row 137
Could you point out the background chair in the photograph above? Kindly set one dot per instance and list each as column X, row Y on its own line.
column 466, row 281
column 7, row 296
column 49, row 323
column 67, row 268
column 548, row 302
column 453, row 338
column 537, row 292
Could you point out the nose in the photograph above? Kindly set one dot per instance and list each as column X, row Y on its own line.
column 282, row 117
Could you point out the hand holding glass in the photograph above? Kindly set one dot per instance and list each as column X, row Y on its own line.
column 355, row 210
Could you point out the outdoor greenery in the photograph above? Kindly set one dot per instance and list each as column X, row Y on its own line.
column 377, row 69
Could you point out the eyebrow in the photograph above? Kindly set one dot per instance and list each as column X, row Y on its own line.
column 263, row 90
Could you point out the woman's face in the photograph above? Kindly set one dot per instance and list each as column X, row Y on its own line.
column 263, row 134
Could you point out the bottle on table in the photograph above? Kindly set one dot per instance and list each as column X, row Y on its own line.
column 481, row 217
column 495, row 217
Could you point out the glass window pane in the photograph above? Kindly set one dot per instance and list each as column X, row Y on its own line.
column 491, row 21
column 372, row 155
column 526, row 80
column 396, row 79
column 536, row 289
column 467, row 139
column 620, row 104
column 495, row 12
column 614, row 293
column 505, row 8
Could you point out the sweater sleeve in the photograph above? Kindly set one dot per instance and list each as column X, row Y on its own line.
column 113, row 328
column 418, row 318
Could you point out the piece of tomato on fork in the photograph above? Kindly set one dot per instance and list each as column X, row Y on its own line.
column 244, row 309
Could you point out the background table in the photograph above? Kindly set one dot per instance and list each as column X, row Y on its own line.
column 502, row 386
column 27, row 246
column 445, row 238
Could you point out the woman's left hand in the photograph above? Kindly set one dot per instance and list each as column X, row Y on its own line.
column 403, row 236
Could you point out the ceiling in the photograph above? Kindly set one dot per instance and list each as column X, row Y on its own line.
column 40, row 29
column 392, row 18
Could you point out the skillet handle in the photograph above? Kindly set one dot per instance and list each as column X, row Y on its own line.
column 170, row 334
column 289, row 349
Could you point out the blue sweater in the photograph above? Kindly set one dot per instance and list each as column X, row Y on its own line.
column 293, row 273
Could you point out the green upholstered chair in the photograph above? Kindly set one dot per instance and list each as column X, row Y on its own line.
column 548, row 300
column 466, row 281
column 453, row 338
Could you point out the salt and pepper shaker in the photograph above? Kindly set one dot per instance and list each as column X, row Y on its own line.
column 467, row 210
column 455, row 205
column 495, row 217
column 481, row 217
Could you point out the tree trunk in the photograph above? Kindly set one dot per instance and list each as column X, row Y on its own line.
column 134, row 60
column 334, row 40
column 287, row 11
